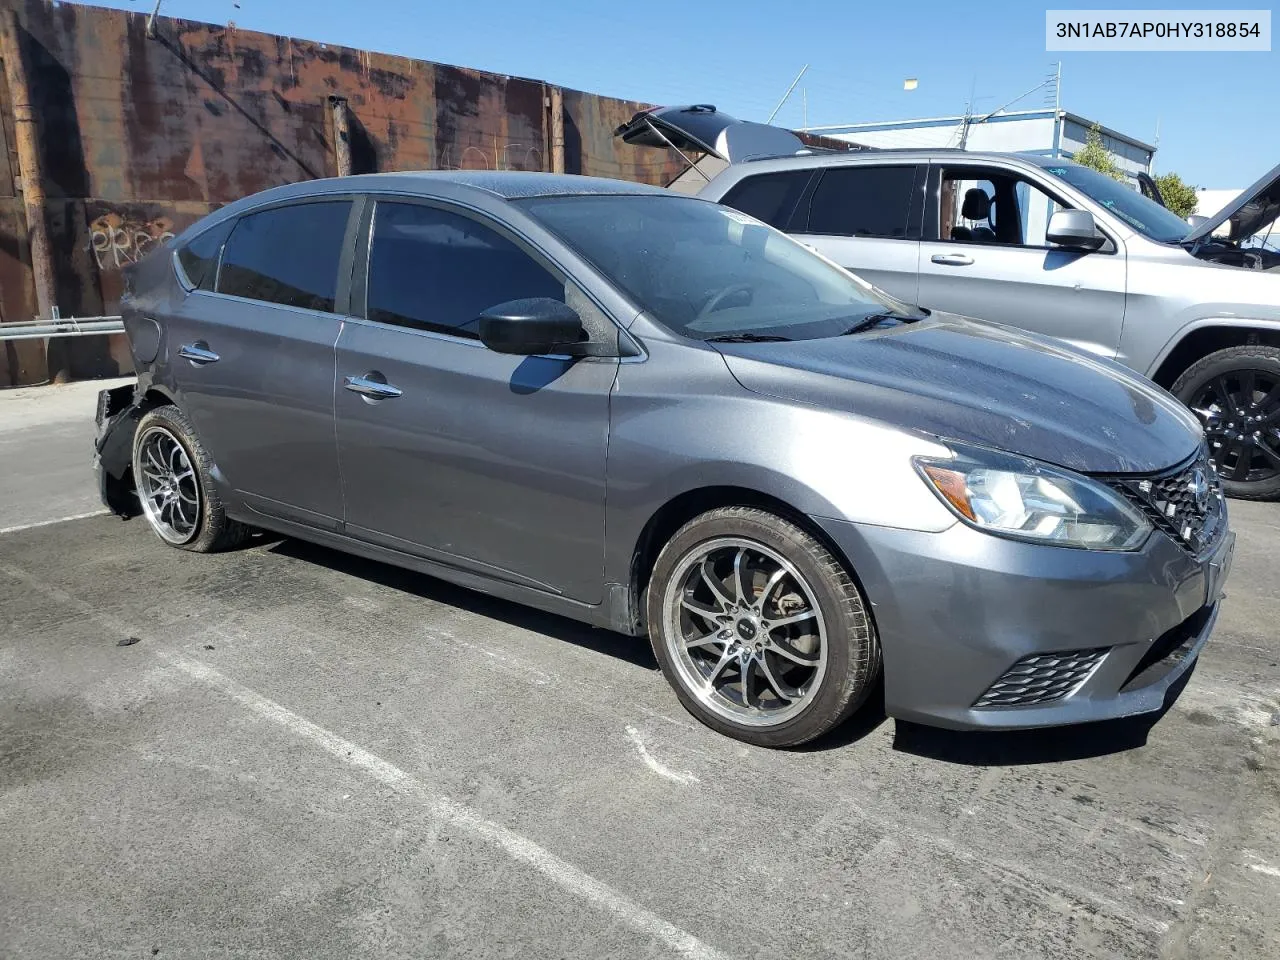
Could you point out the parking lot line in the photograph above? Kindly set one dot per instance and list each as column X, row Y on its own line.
column 48, row 523
column 518, row 847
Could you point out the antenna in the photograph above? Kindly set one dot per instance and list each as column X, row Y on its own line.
column 787, row 94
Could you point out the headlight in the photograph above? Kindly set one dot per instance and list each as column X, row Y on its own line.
column 1014, row 497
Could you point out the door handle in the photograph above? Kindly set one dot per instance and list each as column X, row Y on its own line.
column 198, row 353
column 371, row 389
column 951, row 260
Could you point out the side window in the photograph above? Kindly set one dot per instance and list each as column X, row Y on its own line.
column 769, row 197
column 863, row 201
column 993, row 206
column 287, row 255
column 431, row 269
column 199, row 257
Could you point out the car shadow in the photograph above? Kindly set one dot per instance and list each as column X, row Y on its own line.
column 634, row 650
column 967, row 748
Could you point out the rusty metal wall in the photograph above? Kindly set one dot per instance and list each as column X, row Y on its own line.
column 141, row 136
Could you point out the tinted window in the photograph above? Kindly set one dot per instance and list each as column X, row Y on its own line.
column 287, row 255
column 199, row 258
column 709, row 272
column 862, row 202
column 434, row 270
column 770, row 197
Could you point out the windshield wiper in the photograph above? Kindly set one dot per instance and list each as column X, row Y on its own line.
column 747, row 338
column 869, row 321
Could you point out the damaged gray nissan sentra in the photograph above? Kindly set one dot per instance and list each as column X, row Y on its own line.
column 657, row 415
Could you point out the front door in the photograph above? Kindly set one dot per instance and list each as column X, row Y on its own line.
column 866, row 218
column 985, row 256
column 251, row 357
column 484, row 461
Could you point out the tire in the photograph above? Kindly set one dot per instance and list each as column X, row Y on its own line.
column 1236, row 394
column 171, row 470
column 812, row 651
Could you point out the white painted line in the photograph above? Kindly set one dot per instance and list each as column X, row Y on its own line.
column 1266, row 868
column 656, row 765
column 50, row 523
column 564, row 875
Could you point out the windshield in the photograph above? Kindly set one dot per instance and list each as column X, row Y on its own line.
column 708, row 272
column 1145, row 216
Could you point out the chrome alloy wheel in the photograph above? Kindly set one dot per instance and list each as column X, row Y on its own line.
column 743, row 629
column 167, row 485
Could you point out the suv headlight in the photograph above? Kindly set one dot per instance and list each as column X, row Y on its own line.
column 1023, row 499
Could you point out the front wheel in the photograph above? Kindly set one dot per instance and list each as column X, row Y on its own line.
column 1236, row 395
column 759, row 629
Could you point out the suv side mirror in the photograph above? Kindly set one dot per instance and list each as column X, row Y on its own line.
column 530, row 327
column 1075, row 230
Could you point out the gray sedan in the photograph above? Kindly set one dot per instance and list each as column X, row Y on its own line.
column 657, row 415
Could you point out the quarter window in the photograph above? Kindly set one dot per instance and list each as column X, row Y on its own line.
column 863, row 201
column 769, row 197
column 287, row 255
column 430, row 269
column 199, row 258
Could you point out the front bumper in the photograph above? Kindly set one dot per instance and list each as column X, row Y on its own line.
column 960, row 612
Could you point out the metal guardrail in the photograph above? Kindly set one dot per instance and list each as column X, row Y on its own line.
column 69, row 327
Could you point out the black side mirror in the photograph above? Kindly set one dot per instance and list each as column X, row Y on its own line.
column 1075, row 230
column 530, row 327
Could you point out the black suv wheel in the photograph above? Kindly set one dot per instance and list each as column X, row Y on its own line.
column 1236, row 395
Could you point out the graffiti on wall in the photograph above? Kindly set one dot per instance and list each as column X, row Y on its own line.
column 117, row 239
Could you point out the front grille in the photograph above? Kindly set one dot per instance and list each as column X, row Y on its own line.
column 1186, row 502
column 1042, row 678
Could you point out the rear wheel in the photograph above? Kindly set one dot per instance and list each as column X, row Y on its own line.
column 179, row 500
column 759, row 629
column 1236, row 395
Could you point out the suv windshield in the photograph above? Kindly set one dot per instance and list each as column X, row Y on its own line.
column 1145, row 216
column 708, row 272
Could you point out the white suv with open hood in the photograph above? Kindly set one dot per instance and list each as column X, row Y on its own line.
column 1038, row 243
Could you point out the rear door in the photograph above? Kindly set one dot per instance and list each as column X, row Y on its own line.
column 487, row 462
column 866, row 217
column 985, row 256
column 251, row 354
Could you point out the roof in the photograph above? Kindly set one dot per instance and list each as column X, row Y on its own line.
column 873, row 155
column 508, row 184
column 1003, row 117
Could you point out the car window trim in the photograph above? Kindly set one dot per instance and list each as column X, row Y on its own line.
column 912, row 227
column 624, row 345
column 352, row 198
column 933, row 213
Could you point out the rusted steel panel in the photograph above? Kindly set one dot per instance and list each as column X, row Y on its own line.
column 139, row 137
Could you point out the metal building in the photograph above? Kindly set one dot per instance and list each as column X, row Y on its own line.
column 1046, row 132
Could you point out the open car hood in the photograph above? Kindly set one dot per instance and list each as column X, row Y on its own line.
column 700, row 127
column 1250, row 212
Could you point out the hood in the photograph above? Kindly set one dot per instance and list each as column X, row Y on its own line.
column 1255, row 208
column 990, row 385
column 700, row 127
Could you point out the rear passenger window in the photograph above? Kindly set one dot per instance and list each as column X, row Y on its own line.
column 863, row 201
column 769, row 197
column 199, row 258
column 287, row 255
column 430, row 269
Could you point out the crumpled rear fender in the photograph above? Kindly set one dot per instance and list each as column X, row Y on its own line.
column 117, row 419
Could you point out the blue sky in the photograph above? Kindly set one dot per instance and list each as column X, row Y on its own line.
column 1217, row 112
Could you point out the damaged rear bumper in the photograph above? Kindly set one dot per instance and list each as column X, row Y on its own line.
column 117, row 419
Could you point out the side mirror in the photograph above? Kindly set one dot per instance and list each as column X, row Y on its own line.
column 1075, row 230
column 530, row 327
column 1195, row 220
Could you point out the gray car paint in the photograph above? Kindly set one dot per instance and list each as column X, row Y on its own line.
column 554, row 472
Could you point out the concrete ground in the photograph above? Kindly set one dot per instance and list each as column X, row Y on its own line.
column 308, row 755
